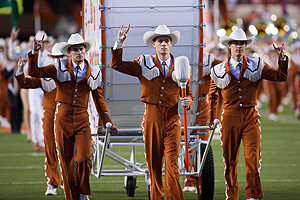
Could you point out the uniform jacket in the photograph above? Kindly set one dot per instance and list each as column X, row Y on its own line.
column 156, row 89
column 242, row 93
column 68, row 90
column 47, row 85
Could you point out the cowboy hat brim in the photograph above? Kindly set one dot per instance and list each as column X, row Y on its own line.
column 52, row 55
column 149, row 36
column 226, row 39
column 64, row 46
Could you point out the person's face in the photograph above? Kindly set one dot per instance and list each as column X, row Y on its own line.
column 237, row 48
column 77, row 53
column 162, row 44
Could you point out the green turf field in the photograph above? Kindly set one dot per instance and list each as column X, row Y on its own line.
column 22, row 169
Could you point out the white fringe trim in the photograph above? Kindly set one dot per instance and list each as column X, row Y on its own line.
column 219, row 75
column 254, row 68
column 96, row 76
column 149, row 70
column 62, row 71
column 63, row 75
column 48, row 84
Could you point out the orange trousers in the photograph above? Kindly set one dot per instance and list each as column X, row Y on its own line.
column 51, row 161
column 275, row 96
column 297, row 91
column 72, row 128
column 162, row 132
column 237, row 125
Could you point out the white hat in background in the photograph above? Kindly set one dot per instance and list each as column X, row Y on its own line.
column 236, row 35
column 39, row 35
column 75, row 39
column 23, row 46
column 31, row 38
column 55, row 51
column 161, row 30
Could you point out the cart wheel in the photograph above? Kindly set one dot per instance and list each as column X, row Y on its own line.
column 130, row 186
column 205, row 184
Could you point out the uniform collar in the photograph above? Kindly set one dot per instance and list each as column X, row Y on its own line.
column 168, row 61
column 81, row 65
column 234, row 63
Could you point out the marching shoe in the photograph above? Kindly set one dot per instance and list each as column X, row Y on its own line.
column 273, row 117
column 51, row 190
column 83, row 197
column 189, row 189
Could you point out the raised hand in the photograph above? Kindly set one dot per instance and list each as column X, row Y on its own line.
column 21, row 64
column 279, row 50
column 37, row 44
column 14, row 34
column 123, row 34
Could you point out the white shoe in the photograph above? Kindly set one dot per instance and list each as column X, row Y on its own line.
column 4, row 123
column 297, row 112
column 280, row 108
column 83, row 197
column 252, row 199
column 51, row 190
column 189, row 189
column 273, row 117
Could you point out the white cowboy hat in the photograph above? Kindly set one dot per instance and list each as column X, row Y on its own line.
column 236, row 35
column 75, row 39
column 161, row 30
column 55, row 51
column 39, row 35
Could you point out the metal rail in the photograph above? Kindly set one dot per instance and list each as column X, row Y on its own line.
column 151, row 7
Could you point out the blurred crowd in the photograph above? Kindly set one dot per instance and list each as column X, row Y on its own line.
column 22, row 105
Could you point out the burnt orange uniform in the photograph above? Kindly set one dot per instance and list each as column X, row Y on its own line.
column 4, row 103
column 240, row 119
column 161, row 123
column 49, row 104
column 295, row 84
column 72, row 120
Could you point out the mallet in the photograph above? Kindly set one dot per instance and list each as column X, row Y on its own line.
column 183, row 73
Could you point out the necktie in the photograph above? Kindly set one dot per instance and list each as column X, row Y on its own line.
column 240, row 66
column 164, row 64
column 77, row 68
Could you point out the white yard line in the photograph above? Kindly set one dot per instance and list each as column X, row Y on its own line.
column 21, row 154
column 23, row 167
